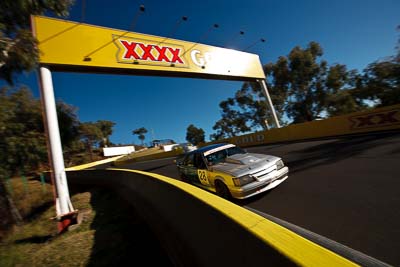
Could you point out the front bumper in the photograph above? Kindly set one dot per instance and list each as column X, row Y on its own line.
column 260, row 186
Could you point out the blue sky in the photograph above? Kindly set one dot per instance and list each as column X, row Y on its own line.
column 351, row 32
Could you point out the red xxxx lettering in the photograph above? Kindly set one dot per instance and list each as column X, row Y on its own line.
column 388, row 117
column 149, row 54
column 175, row 54
column 162, row 56
column 376, row 119
column 130, row 50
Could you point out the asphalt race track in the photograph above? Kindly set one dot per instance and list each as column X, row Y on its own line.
column 346, row 189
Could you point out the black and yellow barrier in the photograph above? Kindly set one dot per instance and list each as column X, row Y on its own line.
column 376, row 120
column 197, row 228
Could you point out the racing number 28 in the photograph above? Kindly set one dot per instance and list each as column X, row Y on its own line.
column 203, row 177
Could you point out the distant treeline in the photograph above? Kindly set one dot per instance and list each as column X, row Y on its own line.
column 22, row 135
column 304, row 87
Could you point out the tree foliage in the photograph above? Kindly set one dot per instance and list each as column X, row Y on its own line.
column 91, row 135
column 304, row 87
column 140, row 132
column 22, row 135
column 195, row 135
column 18, row 50
column 382, row 81
column 379, row 82
column 22, row 140
column 69, row 124
column 246, row 111
column 106, row 128
column 96, row 134
column 306, row 81
column 315, row 88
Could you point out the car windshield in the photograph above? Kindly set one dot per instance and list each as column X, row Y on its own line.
column 220, row 155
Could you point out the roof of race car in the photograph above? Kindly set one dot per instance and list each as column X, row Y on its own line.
column 211, row 147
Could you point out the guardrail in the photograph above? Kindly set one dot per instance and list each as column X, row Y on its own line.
column 197, row 228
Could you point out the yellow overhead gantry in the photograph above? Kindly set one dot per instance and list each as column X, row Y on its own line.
column 77, row 47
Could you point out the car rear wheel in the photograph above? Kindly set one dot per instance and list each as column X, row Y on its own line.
column 222, row 190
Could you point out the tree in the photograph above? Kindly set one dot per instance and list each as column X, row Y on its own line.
column 306, row 92
column 312, row 86
column 194, row 135
column 22, row 139
column 302, row 87
column 91, row 134
column 22, row 136
column 140, row 132
column 380, row 81
column 68, row 123
column 231, row 123
column 340, row 92
column 106, row 130
column 18, row 51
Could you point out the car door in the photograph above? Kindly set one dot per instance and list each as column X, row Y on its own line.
column 190, row 171
column 201, row 169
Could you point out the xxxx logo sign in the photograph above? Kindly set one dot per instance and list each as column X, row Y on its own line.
column 378, row 119
column 138, row 51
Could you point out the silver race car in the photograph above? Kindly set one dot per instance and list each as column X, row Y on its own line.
column 230, row 171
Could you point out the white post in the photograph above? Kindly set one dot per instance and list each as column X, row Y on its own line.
column 269, row 102
column 63, row 202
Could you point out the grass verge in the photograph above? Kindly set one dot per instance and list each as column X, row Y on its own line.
column 111, row 234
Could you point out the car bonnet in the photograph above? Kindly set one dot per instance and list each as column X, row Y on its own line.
column 241, row 164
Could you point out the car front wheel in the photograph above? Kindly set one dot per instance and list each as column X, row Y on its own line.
column 222, row 190
column 184, row 178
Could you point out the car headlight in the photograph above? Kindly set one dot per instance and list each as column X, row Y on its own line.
column 240, row 181
column 279, row 164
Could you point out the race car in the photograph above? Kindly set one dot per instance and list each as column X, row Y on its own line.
column 230, row 171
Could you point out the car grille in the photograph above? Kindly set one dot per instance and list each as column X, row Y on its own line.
column 263, row 174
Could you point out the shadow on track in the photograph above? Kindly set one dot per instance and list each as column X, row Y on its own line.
column 328, row 153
